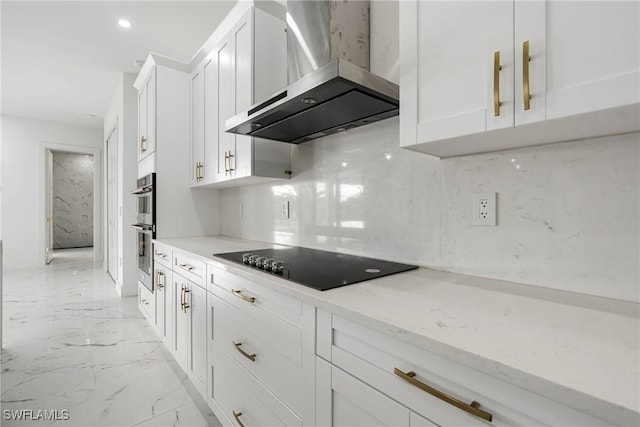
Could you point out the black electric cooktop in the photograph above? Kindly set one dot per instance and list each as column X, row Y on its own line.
column 317, row 269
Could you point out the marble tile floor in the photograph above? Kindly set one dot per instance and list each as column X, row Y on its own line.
column 72, row 344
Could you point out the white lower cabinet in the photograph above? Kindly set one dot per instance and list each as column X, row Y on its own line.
column 346, row 401
column 163, row 279
column 147, row 303
column 261, row 360
column 411, row 384
column 190, row 330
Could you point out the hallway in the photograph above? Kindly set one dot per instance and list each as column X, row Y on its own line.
column 72, row 344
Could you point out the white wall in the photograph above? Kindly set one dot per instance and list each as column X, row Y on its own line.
column 122, row 113
column 568, row 214
column 23, row 178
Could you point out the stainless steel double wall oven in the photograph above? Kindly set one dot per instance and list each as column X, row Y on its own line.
column 145, row 227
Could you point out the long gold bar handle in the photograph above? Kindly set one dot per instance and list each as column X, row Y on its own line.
column 201, row 174
column 243, row 297
column 187, row 267
column 160, row 282
column 182, row 298
column 197, row 171
column 473, row 408
column 143, row 146
column 226, row 159
column 237, row 416
column 161, row 255
column 251, row 357
column 186, row 290
column 230, row 168
column 496, row 83
column 526, row 94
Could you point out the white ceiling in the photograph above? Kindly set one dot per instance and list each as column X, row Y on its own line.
column 62, row 60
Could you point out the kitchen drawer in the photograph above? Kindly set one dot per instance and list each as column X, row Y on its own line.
column 380, row 361
column 273, row 357
column 189, row 267
column 162, row 254
column 147, row 303
column 254, row 299
column 243, row 398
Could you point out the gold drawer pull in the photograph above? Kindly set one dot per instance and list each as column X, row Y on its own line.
column 237, row 416
column 243, row 297
column 187, row 267
column 526, row 58
column 473, row 408
column 161, row 255
column 496, row 83
column 251, row 357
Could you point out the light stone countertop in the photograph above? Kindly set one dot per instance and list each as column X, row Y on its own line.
column 577, row 349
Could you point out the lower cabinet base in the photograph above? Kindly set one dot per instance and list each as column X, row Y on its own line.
column 237, row 396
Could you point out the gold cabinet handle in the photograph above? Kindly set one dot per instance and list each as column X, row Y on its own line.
column 237, row 416
column 243, row 297
column 473, row 408
column 251, row 357
column 143, row 146
column 159, row 274
column 182, row 298
column 197, row 171
column 187, row 267
column 526, row 94
column 161, row 255
column 496, row 83
column 226, row 160
column 160, row 279
column 230, row 168
column 185, row 306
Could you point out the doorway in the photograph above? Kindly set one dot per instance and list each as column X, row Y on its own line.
column 70, row 205
column 72, row 201
column 112, row 204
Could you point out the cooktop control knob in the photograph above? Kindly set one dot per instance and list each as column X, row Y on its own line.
column 259, row 261
column 245, row 258
column 277, row 267
column 266, row 264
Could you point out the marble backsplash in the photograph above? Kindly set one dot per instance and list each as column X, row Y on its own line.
column 72, row 200
column 568, row 214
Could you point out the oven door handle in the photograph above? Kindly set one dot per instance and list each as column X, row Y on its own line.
column 142, row 190
column 142, row 227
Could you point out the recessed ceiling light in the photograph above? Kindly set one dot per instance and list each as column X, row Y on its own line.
column 124, row 23
column 90, row 116
column 138, row 62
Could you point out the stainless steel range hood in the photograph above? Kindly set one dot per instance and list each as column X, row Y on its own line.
column 330, row 87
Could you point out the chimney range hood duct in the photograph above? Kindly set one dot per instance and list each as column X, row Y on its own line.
column 330, row 87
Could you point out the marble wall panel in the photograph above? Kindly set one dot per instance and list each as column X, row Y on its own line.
column 72, row 200
column 567, row 216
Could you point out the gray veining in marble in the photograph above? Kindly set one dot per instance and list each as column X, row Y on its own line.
column 72, row 344
column 72, row 200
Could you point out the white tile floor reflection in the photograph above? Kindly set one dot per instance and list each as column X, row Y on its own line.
column 71, row 344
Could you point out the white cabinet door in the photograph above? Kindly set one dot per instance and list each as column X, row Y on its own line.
column 197, row 309
column 164, row 302
column 210, row 117
column 241, row 153
column 226, row 106
column 182, row 322
column 453, row 46
column 345, row 401
column 197, row 126
column 584, row 57
column 146, row 116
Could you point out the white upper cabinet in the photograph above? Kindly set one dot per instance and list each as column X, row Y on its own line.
column 147, row 116
column 491, row 75
column 246, row 66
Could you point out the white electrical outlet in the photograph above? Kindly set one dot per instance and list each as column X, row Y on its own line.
column 239, row 210
column 484, row 209
column 285, row 210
